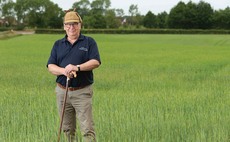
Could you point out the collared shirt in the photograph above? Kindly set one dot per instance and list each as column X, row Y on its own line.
column 64, row 53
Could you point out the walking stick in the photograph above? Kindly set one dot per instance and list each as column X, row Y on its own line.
column 64, row 103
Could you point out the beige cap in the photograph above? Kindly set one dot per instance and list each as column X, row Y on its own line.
column 72, row 16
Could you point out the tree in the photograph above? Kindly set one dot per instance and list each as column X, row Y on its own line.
column 138, row 20
column 149, row 20
column 111, row 20
column 54, row 15
column 133, row 11
column 96, row 18
column 190, row 16
column 22, row 9
column 95, row 22
column 82, row 7
column 100, row 6
column 204, row 15
column 36, row 13
column 119, row 12
column 8, row 12
column 8, row 8
column 161, row 19
column 176, row 16
column 221, row 19
column 1, row 3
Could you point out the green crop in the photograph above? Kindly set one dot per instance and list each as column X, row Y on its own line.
column 149, row 88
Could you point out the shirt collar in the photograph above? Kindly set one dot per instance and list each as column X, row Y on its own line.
column 81, row 37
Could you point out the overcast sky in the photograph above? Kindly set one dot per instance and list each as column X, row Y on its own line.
column 155, row 6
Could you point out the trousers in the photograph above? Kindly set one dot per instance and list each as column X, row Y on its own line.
column 78, row 108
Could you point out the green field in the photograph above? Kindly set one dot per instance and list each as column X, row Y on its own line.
column 149, row 88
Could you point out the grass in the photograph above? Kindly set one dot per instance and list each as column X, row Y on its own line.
column 162, row 88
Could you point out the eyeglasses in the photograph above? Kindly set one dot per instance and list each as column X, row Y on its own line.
column 68, row 25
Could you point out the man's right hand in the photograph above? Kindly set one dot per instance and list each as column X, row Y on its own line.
column 72, row 74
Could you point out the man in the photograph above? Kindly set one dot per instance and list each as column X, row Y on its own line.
column 75, row 53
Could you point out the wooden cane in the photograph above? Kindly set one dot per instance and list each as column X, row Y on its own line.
column 64, row 103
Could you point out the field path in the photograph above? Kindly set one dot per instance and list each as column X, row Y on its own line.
column 24, row 32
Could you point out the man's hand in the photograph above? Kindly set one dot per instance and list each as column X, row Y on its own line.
column 70, row 71
column 72, row 74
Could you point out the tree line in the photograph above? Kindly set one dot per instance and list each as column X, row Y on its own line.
column 98, row 15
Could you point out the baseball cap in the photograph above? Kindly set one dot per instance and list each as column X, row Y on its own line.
column 72, row 16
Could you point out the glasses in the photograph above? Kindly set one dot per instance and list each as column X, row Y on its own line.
column 68, row 25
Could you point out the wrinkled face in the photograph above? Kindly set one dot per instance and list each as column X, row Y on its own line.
column 72, row 29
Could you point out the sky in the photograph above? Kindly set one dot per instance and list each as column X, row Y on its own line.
column 155, row 6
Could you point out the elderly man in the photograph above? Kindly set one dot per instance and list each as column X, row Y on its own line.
column 75, row 53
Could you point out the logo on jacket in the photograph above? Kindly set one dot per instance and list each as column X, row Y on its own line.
column 83, row 49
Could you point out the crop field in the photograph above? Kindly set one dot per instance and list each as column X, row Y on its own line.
column 149, row 88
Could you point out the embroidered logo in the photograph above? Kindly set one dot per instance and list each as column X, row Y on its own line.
column 83, row 49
